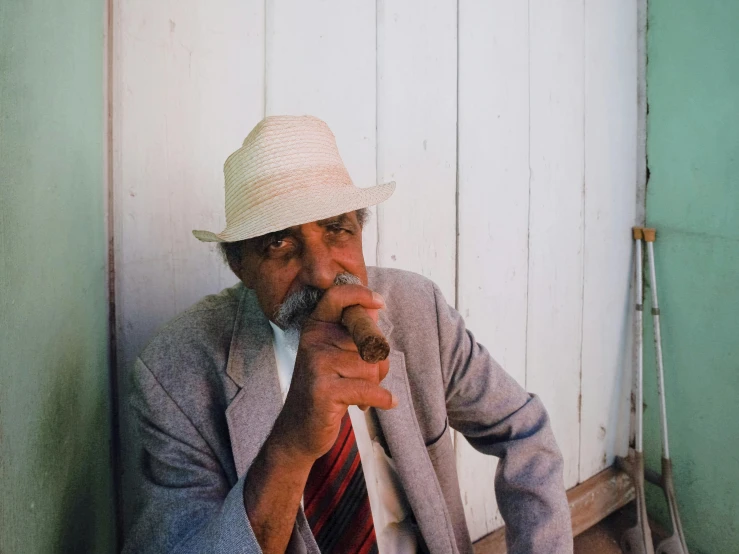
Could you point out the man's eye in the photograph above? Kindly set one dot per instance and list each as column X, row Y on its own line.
column 277, row 247
column 336, row 230
column 277, row 244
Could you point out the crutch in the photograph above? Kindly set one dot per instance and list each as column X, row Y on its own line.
column 637, row 539
column 675, row 543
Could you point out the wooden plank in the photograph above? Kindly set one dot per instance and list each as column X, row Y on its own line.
column 556, row 218
column 598, row 497
column 321, row 60
column 590, row 502
column 610, row 176
column 493, row 169
column 189, row 87
column 416, row 136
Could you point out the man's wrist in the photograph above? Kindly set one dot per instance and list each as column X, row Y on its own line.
column 272, row 491
column 279, row 452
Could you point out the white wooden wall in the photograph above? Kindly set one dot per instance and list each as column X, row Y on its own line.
column 510, row 128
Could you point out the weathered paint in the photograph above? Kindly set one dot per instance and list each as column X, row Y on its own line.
column 547, row 189
column 416, row 137
column 56, row 491
column 556, row 204
column 610, row 209
column 493, row 211
column 693, row 201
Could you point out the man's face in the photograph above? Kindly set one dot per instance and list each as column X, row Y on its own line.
column 306, row 256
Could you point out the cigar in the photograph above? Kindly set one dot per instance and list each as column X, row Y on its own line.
column 371, row 343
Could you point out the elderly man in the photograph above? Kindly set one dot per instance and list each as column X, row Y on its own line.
column 261, row 427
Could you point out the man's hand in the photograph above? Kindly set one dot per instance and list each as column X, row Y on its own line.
column 329, row 376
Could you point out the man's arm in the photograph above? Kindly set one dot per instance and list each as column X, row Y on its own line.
column 184, row 502
column 498, row 417
column 272, row 493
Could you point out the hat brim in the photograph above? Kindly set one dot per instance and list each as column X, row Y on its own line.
column 301, row 207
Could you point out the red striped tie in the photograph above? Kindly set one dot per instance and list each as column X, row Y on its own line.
column 336, row 501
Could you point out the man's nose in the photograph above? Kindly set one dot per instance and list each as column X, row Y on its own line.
column 319, row 269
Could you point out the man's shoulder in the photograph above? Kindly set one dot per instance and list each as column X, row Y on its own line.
column 411, row 298
column 391, row 281
column 205, row 327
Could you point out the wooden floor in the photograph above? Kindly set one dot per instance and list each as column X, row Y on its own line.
column 604, row 537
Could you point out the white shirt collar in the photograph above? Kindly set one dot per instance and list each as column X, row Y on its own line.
column 285, row 354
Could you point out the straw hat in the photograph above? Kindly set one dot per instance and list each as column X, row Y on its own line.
column 288, row 172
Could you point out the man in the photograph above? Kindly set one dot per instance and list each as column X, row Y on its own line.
column 261, row 427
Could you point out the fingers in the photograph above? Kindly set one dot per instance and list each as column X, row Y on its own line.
column 346, row 360
column 350, row 366
column 320, row 334
column 335, row 299
column 361, row 392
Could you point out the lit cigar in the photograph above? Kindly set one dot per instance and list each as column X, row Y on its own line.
column 371, row 343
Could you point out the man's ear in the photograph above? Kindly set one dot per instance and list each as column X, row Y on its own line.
column 235, row 267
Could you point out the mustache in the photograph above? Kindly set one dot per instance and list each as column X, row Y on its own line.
column 297, row 307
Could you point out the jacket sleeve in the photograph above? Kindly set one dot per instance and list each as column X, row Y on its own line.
column 498, row 417
column 183, row 502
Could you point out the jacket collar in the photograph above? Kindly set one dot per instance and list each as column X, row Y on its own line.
column 251, row 341
column 251, row 365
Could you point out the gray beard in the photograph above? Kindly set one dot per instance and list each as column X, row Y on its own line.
column 292, row 314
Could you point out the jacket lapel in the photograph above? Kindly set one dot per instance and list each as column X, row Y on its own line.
column 252, row 366
column 403, row 436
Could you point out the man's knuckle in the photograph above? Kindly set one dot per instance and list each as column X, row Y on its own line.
column 365, row 388
column 369, row 372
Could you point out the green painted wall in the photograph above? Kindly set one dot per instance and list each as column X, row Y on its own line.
column 693, row 201
column 55, row 477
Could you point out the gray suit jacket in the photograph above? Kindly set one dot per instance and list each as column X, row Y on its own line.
column 206, row 395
